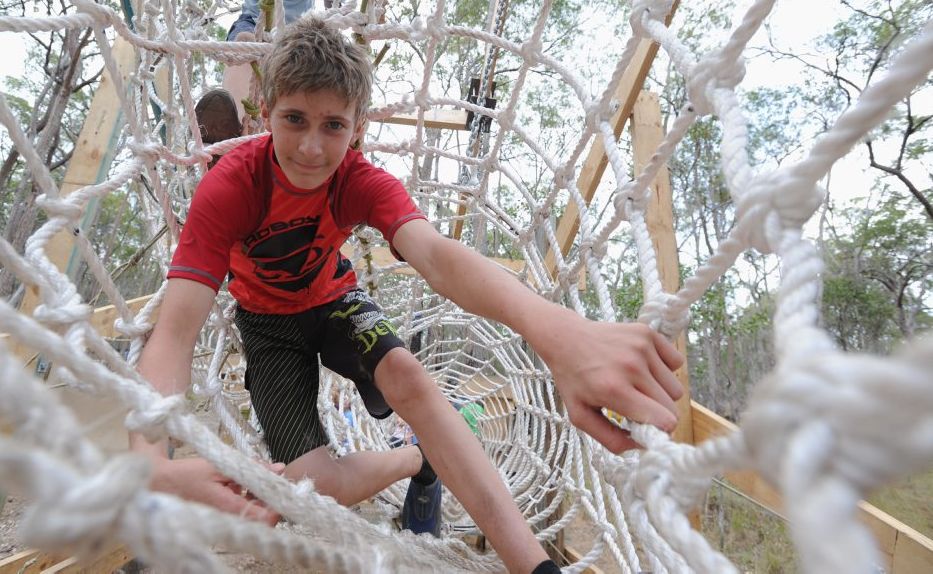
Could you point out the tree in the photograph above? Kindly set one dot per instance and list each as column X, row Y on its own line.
column 852, row 56
column 50, row 108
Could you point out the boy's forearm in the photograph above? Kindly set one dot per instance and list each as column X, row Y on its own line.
column 168, row 370
column 481, row 287
column 166, row 359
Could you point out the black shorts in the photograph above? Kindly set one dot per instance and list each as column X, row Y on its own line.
column 351, row 335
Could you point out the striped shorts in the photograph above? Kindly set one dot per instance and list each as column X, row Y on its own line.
column 351, row 335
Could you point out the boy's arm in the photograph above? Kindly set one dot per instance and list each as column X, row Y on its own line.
column 166, row 364
column 167, row 356
column 625, row 367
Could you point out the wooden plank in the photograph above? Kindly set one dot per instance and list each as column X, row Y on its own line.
column 903, row 549
column 107, row 562
column 27, row 562
column 104, row 317
column 575, row 556
column 383, row 257
column 707, row 425
column 434, row 118
column 596, row 161
column 647, row 135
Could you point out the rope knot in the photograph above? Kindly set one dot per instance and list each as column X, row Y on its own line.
column 150, row 422
column 531, row 51
column 87, row 512
column 417, row 30
column 648, row 9
column 659, row 472
column 710, row 75
column 150, row 151
column 775, row 203
column 658, row 313
column 131, row 329
column 507, row 119
column 563, row 178
column 99, row 12
column 59, row 207
column 63, row 314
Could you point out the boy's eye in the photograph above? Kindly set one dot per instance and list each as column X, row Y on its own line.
column 334, row 125
column 293, row 118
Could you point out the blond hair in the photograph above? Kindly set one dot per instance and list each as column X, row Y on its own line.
column 309, row 56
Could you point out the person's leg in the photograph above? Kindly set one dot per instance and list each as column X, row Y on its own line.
column 458, row 459
column 237, row 77
column 357, row 476
column 281, row 377
column 361, row 344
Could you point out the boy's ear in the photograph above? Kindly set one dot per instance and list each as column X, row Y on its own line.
column 357, row 141
column 264, row 114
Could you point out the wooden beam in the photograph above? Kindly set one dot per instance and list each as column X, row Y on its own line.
column 903, row 549
column 88, row 165
column 434, row 118
column 575, row 556
column 647, row 135
column 595, row 164
column 105, row 563
column 27, row 562
column 37, row 562
column 383, row 257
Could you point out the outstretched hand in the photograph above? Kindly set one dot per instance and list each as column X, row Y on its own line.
column 624, row 367
column 197, row 480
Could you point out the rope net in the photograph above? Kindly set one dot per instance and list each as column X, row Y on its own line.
column 825, row 427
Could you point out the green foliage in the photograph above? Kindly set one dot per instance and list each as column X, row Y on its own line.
column 858, row 314
column 753, row 538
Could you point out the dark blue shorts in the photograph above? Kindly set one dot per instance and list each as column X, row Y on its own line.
column 245, row 23
column 351, row 335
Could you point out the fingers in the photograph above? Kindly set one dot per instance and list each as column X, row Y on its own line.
column 225, row 500
column 673, row 358
column 641, row 408
column 275, row 467
column 666, row 388
column 593, row 423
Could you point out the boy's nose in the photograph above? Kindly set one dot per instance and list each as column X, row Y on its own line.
column 310, row 145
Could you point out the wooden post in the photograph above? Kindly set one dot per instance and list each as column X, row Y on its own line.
column 596, row 161
column 647, row 134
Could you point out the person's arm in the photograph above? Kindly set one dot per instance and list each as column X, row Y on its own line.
column 167, row 356
column 625, row 367
column 166, row 364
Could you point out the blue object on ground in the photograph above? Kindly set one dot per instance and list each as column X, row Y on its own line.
column 422, row 509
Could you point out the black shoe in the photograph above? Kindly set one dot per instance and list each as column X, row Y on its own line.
column 217, row 116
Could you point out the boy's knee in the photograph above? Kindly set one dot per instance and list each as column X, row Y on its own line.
column 401, row 378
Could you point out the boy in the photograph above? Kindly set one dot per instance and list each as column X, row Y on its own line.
column 274, row 212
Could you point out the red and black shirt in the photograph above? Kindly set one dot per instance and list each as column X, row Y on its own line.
column 281, row 244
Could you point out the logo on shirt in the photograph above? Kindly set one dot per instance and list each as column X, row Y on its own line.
column 284, row 254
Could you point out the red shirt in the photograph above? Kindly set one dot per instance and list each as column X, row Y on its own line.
column 281, row 244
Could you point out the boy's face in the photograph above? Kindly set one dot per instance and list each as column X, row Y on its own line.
column 311, row 132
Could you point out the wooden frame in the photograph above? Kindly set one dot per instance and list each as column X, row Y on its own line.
column 903, row 549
